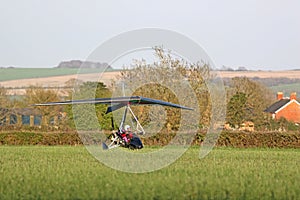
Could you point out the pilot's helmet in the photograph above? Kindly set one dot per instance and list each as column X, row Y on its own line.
column 127, row 128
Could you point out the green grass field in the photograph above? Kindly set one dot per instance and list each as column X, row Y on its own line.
column 65, row 172
column 287, row 88
column 25, row 73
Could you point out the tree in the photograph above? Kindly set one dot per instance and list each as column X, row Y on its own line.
column 3, row 96
column 169, row 79
column 4, row 105
column 237, row 109
column 247, row 100
column 84, row 114
column 38, row 94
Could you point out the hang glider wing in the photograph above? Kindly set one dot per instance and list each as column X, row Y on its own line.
column 117, row 102
column 149, row 101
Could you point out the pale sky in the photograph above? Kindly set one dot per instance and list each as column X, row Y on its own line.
column 256, row 34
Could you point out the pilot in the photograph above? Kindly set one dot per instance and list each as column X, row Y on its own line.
column 127, row 135
column 127, row 128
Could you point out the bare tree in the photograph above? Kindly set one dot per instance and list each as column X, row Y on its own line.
column 38, row 94
column 170, row 79
column 4, row 104
column 3, row 96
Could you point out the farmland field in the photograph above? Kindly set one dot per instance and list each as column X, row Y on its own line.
column 19, row 78
column 287, row 88
column 68, row 172
column 27, row 73
column 21, row 74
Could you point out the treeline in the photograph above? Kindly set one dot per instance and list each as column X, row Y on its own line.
column 269, row 82
column 48, row 118
column 170, row 79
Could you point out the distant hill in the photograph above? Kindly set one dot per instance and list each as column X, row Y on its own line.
column 83, row 64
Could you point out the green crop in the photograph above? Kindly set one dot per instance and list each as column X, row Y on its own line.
column 65, row 172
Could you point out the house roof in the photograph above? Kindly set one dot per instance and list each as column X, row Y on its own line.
column 277, row 105
column 26, row 111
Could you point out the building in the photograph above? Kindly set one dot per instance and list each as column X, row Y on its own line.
column 286, row 107
column 247, row 126
column 27, row 117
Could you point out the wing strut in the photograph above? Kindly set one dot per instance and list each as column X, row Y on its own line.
column 139, row 127
column 121, row 127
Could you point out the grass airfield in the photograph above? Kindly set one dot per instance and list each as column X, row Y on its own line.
column 68, row 172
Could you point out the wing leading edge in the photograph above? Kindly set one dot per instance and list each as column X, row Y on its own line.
column 117, row 102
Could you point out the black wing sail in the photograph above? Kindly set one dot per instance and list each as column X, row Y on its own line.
column 117, row 102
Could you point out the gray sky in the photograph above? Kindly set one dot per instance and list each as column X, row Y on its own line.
column 257, row 34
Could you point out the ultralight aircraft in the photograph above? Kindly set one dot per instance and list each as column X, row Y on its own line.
column 123, row 137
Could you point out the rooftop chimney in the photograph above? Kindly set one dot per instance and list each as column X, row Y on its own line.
column 293, row 96
column 279, row 95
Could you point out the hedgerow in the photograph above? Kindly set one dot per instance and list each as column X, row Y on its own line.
column 228, row 139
